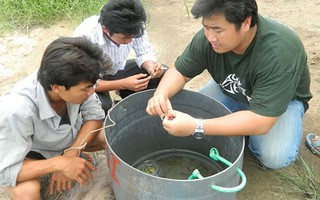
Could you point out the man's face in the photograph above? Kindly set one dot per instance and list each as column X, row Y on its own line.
column 223, row 35
column 120, row 38
column 76, row 94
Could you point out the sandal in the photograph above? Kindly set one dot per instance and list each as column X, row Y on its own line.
column 313, row 142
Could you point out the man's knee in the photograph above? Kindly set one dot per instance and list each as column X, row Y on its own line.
column 106, row 101
column 27, row 190
column 276, row 160
column 101, row 140
column 98, row 143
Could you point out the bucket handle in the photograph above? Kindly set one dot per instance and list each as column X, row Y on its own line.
column 214, row 154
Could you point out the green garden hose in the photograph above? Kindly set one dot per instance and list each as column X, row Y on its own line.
column 214, row 154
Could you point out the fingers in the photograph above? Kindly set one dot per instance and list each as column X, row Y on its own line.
column 155, row 69
column 169, row 125
column 59, row 182
column 51, row 185
column 82, row 179
column 139, row 82
column 58, row 186
column 140, row 76
column 152, row 67
column 179, row 124
column 69, row 185
column 171, row 114
column 158, row 105
column 85, row 173
column 74, row 168
column 90, row 166
column 157, row 72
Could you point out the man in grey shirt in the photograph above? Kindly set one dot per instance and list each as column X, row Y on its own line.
column 49, row 118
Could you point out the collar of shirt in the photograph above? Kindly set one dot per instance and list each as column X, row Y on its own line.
column 45, row 109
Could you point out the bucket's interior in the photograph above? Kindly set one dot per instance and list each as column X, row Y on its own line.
column 140, row 140
column 176, row 164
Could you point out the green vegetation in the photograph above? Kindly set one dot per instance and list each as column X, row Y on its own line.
column 186, row 6
column 23, row 14
column 299, row 179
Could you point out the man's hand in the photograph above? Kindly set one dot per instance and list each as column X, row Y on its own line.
column 60, row 182
column 179, row 123
column 155, row 70
column 137, row 82
column 75, row 168
column 159, row 105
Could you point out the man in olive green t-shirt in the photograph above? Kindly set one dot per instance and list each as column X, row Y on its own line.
column 260, row 72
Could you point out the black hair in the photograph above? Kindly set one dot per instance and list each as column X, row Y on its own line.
column 124, row 16
column 235, row 11
column 67, row 61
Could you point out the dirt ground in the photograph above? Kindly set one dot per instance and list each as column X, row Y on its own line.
column 170, row 29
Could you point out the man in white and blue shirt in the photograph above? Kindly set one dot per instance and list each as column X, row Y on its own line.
column 118, row 30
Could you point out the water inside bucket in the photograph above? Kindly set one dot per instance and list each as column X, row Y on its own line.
column 176, row 164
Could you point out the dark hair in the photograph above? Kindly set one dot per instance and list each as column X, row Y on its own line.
column 235, row 11
column 67, row 61
column 124, row 16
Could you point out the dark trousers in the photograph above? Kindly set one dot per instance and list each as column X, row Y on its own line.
column 130, row 69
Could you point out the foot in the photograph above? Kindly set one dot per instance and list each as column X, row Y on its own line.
column 313, row 142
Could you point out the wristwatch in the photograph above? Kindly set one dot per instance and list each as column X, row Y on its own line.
column 199, row 131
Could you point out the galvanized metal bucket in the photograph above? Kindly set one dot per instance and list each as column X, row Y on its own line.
column 132, row 135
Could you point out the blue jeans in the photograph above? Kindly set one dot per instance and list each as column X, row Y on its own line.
column 280, row 146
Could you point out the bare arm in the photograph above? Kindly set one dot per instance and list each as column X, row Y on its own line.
column 86, row 134
column 136, row 83
column 234, row 124
column 109, row 85
column 240, row 123
column 74, row 168
column 70, row 165
column 172, row 82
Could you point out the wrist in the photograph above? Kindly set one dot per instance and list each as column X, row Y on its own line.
column 149, row 67
column 71, row 152
column 198, row 132
column 74, row 150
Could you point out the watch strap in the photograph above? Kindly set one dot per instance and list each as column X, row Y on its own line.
column 199, row 130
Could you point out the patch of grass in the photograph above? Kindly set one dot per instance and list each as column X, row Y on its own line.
column 23, row 14
column 186, row 7
column 299, row 179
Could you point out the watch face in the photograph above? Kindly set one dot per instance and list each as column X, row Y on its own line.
column 198, row 135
